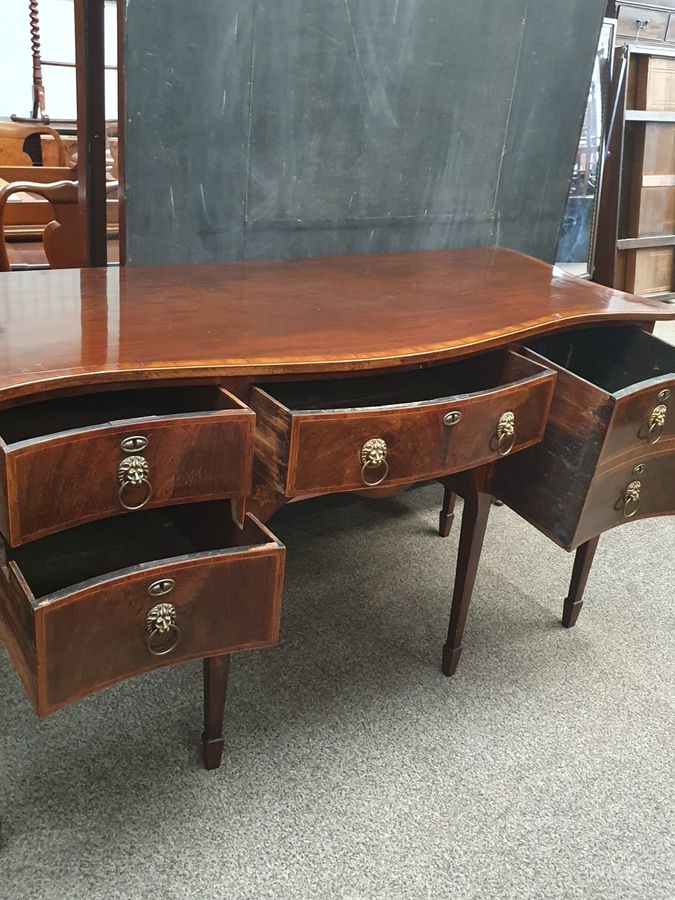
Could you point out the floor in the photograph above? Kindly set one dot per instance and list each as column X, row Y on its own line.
column 354, row 768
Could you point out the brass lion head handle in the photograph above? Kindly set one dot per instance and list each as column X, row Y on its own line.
column 374, row 456
column 134, row 472
column 506, row 433
column 631, row 499
column 657, row 421
column 163, row 634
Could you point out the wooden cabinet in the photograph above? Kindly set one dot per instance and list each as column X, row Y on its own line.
column 135, row 402
column 636, row 227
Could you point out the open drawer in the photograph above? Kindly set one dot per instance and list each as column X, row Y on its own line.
column 347, row 434
column 70, row 460
column 94, row 605
column 629, row 373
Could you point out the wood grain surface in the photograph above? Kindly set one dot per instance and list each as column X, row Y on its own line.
column 59, row 328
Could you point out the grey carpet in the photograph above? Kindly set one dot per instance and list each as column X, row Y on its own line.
column 353, row 768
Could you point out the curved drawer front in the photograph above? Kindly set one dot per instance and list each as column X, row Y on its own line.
column 311, row 451
column 95, row 633
column 60, row 480
column 641, row 488
column 643, row 417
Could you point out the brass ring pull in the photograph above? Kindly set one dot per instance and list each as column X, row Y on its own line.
column 657, row 421
column 631, row 499
column 132, row 472
column 126, row 484
column 506, row 433
column 161, row 620
column 374, row 456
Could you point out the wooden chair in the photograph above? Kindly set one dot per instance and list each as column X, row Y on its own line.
column 64, row 238
column 13, row 136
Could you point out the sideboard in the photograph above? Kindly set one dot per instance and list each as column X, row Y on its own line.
column 153, row 419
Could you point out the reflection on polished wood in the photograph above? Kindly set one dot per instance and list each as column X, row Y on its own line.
column 307, row 316
column 32, row 254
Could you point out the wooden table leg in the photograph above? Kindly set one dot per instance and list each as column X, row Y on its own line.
column 216, row 671
column 447, row 512
column 583, row 561
column 474, row 522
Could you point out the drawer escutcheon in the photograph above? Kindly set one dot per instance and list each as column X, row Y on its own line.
column 452, row 418
column 134, row 444
column 161, row 587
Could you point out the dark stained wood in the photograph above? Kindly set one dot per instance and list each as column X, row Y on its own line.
column 91, row 134
column 307, row 316
column 580, row 572
column 474, row 488
column 426, row 333
column 216, row 674
column 447, row 514
column 315, row 449
column 606, row 500
column 547, row 483
column 86, row 590
column 61, row 457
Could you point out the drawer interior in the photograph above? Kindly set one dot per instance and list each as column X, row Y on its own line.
column 455, row 379
column 51, row 416
column 59, row 561
column 611, row 358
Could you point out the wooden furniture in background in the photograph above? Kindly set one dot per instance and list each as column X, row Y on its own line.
column 127, row 441
column 650, row 23
column 636, row 229
column 57, row 207
column 13, row 136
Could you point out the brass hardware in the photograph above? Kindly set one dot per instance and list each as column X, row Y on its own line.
column 374, row 456
column 452, row 418
column 161, row 620
column 134, row 444
column 656, row 422
column 639, row 469
column 506, row 433
column 664, row 394
column 161, row 587
column 132, row 472
column 631, row 499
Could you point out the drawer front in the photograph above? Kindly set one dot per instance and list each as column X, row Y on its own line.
column 636, row 490
column 60, row 481
column 350, row 450
column 643, row 417
column 217, row 602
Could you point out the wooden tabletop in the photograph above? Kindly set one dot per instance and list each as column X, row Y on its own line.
column 62, row 327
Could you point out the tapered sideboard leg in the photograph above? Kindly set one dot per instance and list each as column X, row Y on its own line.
column 583, row 561
column 474, row 522
column 216, row 671
column 447, row 512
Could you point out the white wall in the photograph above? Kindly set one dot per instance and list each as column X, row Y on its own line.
column 57, row 33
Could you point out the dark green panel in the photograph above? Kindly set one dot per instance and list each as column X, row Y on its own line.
column 554, row 73
column 287, row 128
column 187, row 88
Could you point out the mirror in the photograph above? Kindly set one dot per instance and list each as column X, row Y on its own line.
column 576, row 245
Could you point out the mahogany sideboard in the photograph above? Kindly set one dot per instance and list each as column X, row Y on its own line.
column 152, row 419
